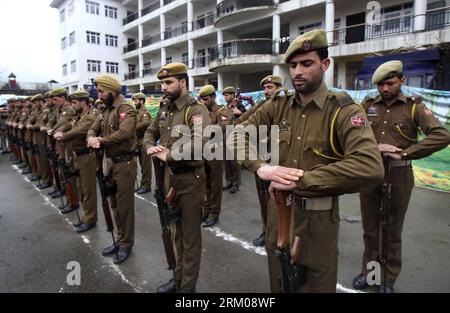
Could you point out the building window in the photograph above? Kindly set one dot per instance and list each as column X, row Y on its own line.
column 92, row 7
column 111, row 40
column 64, row 69
column 63, row 43
column 112, row 67
column 168, row 60
column 185, row 58
column 62, row 15
column 71, row 7
column 93, row 37
column 94, row 66
column 306, row 28
column 110, row 12
column 72, row 38
column 73, row 66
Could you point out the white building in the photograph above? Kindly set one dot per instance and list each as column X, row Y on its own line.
column 91, row 40
column 237, row 42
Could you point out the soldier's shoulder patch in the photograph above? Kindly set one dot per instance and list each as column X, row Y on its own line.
column 427, row 111
column 145, row 114
column 343, row 98
column 122, row 116
column 358, row 120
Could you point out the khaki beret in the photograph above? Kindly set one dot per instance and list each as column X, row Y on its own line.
column 79, row 94
column 271, row 79
column 228, row 90
column 138, row 95
column 309, row 41
column 58, row 92
column 171, row 69
column 37, row 97
column 207, row 91
column 108, row 83
column 387, row 70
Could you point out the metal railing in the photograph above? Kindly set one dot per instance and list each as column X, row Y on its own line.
column 130, row 18
column 240, row 47
column 131, row 75
column 362, row 32
column 149, row 71
column 201, row 61
column 203, row 21
column 130, row 47
column 438, row 18
column 150, row 8
column 168, row 1
column 176, row 31
column 149, row 40
column 228, row 6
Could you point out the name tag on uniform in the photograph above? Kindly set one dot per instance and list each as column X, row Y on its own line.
column 372, row 111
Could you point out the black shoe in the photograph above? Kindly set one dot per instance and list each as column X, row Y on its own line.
column 385, row 289
column 44, row 185
column 13, row 159
column 260, row 241
column 57, row 194
column 210, row 221
column 85, row 227
column 26, row 171
column 21, row 164
column 170, row 287
column 109, row 250
column 77, row 224
column 68, row 209
column 51, row 193
column 186, row 290
column 35, row 178
column 234, row 189
column 143, row 190
column 227, row 187
column 360, row 282
column 121, row 256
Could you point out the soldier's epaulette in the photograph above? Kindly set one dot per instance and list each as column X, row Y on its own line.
column 367, row 99
column 343, row 99
column 414, row 99
column 281, row 93
column 131, row 104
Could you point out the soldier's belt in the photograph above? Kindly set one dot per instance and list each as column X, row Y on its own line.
column 123, row 158
column 399, row 163
column 81, row 151
column 177, row 170
column 313, row 204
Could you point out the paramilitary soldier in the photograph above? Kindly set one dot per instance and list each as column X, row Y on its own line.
column 270, row 84
column 143, row 122
column 115, row 130
column 396, row 120
column 314, row 166
column 41, row 136
column 214, row 167
column 34, row 135
column 185, row 116
column 84, row 159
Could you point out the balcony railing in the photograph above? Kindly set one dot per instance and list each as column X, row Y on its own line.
column 130, row 47
column 176, row 31
column 203, row 22
column 130, row 18
column 228, row 6
column 131, row 75
column 237, row 48
column 150, row 8
column 201, row 61
column 168, row 1
column 147, row 41
column 438, row 18
column 362, row 32
column 149, row 71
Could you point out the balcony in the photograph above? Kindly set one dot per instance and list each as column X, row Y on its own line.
column 232, row 11
column 243, row 52
column 203, row 22
column 168, row 1
column 438, row 18
column 131, row 75
column 150, row 71
column 149, row 40
column 130, row 18
column 363, row 32
column 150, row 8
column 131, row 47
column 175, row 32
column 201, row 61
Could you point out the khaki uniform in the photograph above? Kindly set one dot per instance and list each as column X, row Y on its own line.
column 214, row 174
column 232, row 167
column 189, row 180
column 143, row 122
column 33, row 134
column 85, row 162
column 21, row 120
column 394, row 125
column 117, row 126
column 41, row 140
column 303, row 132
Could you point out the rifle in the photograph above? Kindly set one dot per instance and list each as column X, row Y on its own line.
column 239, row 98
column 33, row 148
column 293, row 274
column 53, row 156
column 262, row 187
column 385, row 217
column 107, row 189
column 168, row 214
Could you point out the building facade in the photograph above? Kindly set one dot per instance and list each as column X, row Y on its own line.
column 91, row 40
column 238, row 42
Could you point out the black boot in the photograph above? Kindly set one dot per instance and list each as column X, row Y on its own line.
column 170, row 287
column 260, row 241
